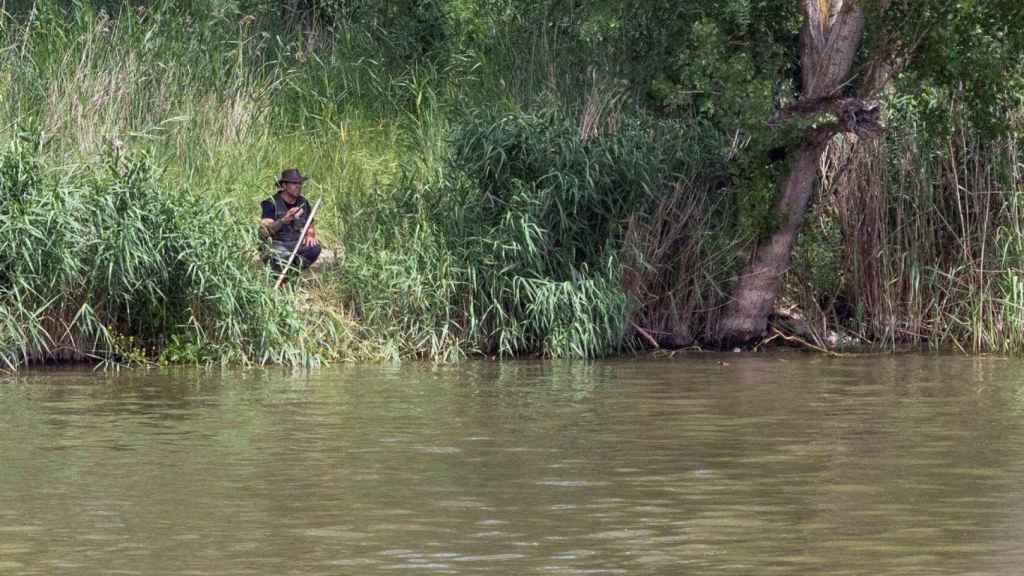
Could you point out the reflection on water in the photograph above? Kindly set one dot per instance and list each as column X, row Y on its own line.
column 782, row 464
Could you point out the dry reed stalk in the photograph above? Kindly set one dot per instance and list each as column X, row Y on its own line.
column 602, row 107
column 925, row 235
column 664, row 268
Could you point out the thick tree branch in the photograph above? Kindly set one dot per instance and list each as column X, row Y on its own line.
column 852, row 115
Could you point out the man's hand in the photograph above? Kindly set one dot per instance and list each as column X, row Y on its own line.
column 310, row 240
column 266, row 228
column 291, row 214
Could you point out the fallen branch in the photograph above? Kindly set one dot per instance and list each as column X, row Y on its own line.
column 802, row 342
column 646, row 335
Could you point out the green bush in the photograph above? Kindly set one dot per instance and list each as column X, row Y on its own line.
column 517, row 248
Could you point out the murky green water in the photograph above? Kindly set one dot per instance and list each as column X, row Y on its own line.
column 764, row 465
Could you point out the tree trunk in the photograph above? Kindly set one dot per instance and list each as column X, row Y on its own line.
column 746, row 318
column 830, row 38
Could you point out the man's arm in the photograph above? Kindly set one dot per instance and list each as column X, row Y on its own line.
column 266, row 219
column 266, row 228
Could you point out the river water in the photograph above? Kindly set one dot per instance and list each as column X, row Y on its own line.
column 739, row 464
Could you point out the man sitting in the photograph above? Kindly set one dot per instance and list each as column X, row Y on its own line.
column 283, row 217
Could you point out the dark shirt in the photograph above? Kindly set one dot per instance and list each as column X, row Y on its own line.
column 267, row 206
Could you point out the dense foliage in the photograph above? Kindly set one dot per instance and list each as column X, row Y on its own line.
column 522, row 245
column 501, row 177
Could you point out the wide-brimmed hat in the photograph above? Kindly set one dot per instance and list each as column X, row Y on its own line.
column 292, row 176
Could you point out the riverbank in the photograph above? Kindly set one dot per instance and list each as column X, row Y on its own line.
column 497, row 187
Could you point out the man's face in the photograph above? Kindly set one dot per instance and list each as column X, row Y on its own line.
column 293, row 189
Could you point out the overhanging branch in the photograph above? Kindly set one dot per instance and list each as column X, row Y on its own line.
column 851, row 115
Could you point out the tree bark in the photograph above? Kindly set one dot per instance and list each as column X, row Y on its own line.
column 831, row 35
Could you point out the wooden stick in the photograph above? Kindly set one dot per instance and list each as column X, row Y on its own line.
column 645, row 334
column 302, row 237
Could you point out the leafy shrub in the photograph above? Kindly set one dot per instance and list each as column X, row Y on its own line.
column 517, row 248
